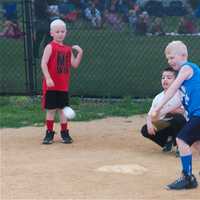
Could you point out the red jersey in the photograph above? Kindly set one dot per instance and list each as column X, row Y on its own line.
column 59, row 67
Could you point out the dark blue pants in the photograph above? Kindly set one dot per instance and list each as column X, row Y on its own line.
column 190, row 133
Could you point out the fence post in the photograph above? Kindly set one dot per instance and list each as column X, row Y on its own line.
column 29, row 45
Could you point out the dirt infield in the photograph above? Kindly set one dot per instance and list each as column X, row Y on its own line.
column 108, row 160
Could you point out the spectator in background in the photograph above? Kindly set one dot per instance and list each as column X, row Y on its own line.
column 157, row 27
column 11, row 30
column 93, row 15
column 113, row 19
column 123, row 8
column 132, row 19
column 142, row 24
column 99, row 4
column 137, row 9
column 113, row 6
column 68, row 10
column 186, row 25
column 53, row 12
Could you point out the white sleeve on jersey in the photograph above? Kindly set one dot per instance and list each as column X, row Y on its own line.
column 172, row 104
column 155, row 101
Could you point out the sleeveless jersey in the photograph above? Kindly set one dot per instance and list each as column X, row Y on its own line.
column 59, row 67
column 191, row 91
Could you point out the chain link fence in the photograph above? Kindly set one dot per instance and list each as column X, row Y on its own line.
column 12, row 67
column 121, row 57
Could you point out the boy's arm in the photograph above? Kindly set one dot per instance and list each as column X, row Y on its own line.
column 184, row 74
column 179, row 110
column 175, row 105
column 75, row 61
column 150, row 128
column 175, row 109
column 45, row 59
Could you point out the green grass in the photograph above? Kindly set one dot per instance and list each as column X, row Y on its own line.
column 26, row 111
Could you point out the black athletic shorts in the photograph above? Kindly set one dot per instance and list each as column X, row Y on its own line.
column 190, row 133
column 56, row 99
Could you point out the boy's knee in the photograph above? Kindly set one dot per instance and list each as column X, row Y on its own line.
column 181, row 142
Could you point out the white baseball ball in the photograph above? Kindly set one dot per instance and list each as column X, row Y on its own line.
column 69, row 112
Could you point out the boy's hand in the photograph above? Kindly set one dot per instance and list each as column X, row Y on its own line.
column 50, row 82
column 77, row 48
column 151, row 129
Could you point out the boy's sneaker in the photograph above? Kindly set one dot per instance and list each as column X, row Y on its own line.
column 48, row 139
column 66, row 138
column 169, row 144
column 184, row 182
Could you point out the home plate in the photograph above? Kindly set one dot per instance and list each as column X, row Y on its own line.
column 133, row 169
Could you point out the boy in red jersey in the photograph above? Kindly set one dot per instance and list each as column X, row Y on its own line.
column 56, row 62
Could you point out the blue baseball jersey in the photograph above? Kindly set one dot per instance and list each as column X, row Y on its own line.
column 191, row 91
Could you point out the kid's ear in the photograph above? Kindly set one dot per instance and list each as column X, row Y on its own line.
column 51, row 33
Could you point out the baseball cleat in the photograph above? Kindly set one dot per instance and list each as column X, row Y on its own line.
column 66, row 138
column 48, row 139
column 184, row 182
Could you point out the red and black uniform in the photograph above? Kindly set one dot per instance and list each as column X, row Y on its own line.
column 59, row 69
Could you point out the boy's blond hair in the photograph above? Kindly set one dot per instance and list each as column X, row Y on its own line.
column 57, row 22
column 176, row 47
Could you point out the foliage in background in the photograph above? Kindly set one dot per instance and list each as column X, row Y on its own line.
column 26, row 111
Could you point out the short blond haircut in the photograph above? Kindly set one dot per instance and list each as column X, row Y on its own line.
column 57, row 22
column 176, row 47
